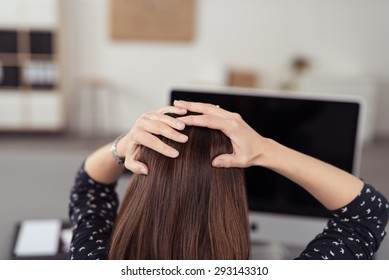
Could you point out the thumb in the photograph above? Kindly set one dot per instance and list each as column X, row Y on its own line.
column 136, row 167
column 225, row 160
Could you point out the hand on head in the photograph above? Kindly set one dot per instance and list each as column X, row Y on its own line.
column 246, row 142
column 144, row 133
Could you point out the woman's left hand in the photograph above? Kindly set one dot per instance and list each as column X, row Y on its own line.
column 144, row 132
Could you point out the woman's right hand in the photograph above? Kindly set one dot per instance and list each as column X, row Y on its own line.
column 248, row 145
column 144, row 132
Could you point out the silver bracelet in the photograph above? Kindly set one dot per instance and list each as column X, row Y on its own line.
column 114, row 152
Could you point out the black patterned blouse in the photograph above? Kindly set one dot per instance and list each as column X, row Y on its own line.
column 354, row 232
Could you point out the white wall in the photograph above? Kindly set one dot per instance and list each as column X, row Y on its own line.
column 345, row 37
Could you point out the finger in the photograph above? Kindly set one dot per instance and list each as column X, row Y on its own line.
column 209, row 121
column 173, row 122
column 223, row 161
column 136, row 167
column 157, row 145
column 160, row 128
column 199, row 107
column 173, row 110
column 131, row 162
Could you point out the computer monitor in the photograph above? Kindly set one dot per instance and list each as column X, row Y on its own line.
column 326, row 127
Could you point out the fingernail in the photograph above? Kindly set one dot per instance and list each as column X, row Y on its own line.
column 218, row 163
column 143, row 171
column 180, row 125
column 174, row 153
column 183, row 137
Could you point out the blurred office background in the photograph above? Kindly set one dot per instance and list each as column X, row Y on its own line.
column 71, row 78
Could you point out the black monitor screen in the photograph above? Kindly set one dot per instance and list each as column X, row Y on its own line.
column 324, row 129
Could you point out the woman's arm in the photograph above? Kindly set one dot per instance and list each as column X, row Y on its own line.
column 333, row 187
column 354, row 231
column 101, row 166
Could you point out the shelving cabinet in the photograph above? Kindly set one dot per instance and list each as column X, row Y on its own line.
column 30, row 85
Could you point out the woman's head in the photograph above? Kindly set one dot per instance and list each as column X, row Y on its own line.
column 184, row 208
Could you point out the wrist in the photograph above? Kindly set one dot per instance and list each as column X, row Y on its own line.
column 102, row 167
column 269, row 156
column 121, row 147
column 118, row 150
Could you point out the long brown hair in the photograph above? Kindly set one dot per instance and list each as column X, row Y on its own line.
column 184, row 208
